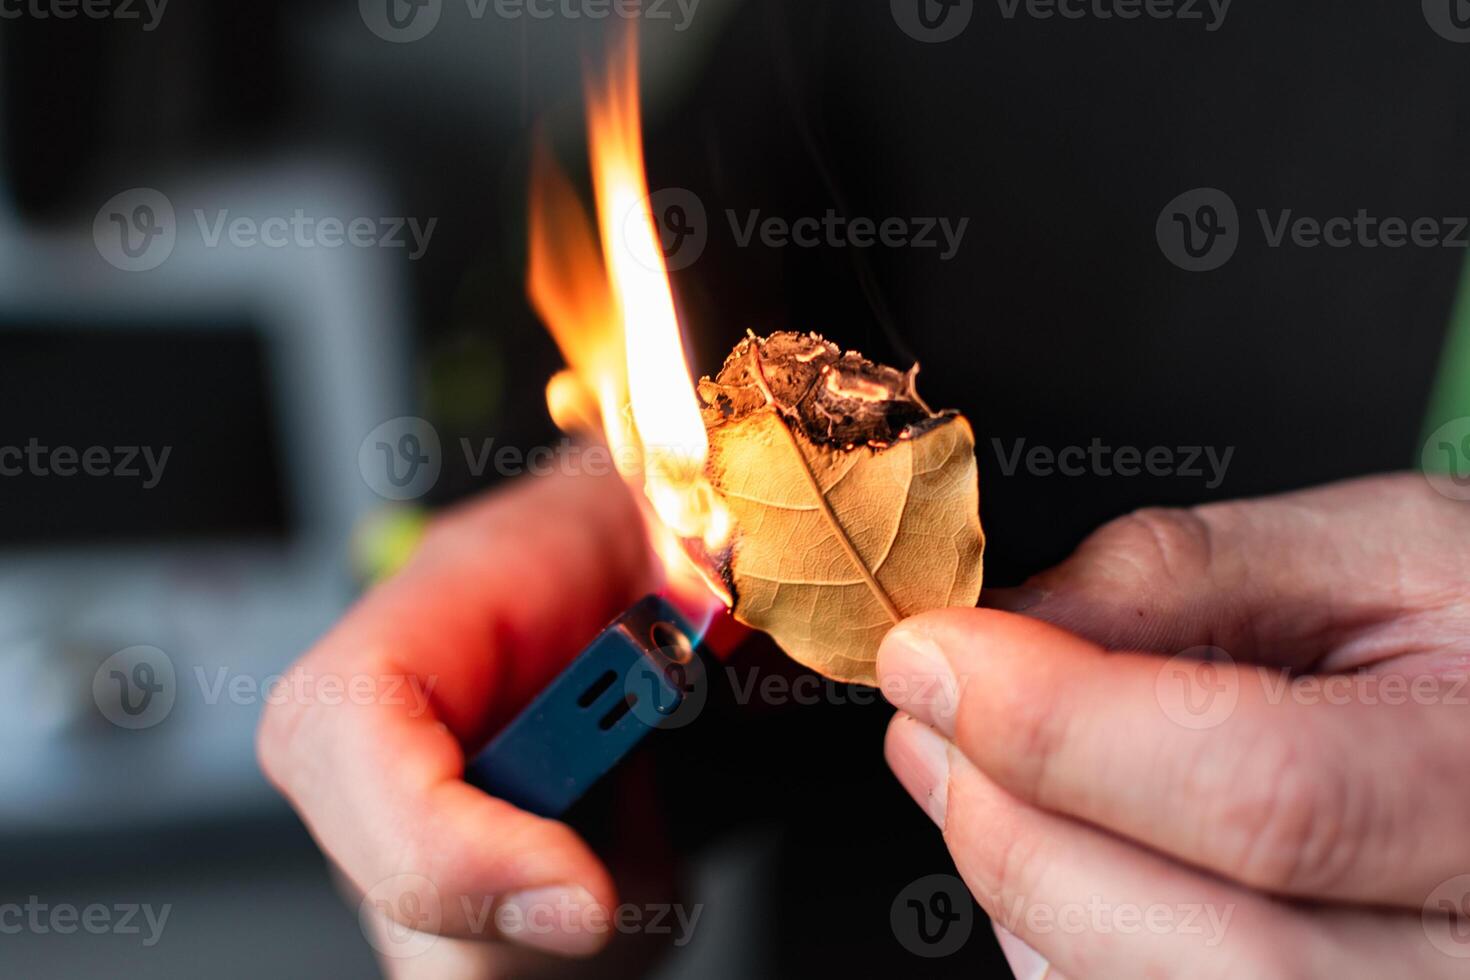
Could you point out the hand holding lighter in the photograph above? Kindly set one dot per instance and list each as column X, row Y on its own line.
column 645, row 670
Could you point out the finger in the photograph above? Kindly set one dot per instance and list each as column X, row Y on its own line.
column 502, row 594
column 1036, row 876
column 1025, row 962
column 1093, row 905
column 1282, row 579
column 407, row 955
column 1226, row 767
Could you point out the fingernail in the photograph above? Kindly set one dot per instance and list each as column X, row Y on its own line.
column 919, row 757
column 915, row 677
column 1017, row 600
column 1025, row 962
column 562, row 919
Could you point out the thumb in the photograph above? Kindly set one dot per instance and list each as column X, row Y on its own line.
column 1277, row 580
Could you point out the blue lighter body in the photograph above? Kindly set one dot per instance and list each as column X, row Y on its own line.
column 641, row 673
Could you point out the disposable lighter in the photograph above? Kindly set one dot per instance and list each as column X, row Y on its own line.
column 645, row 671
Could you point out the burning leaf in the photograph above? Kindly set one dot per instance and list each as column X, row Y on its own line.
column 813, row 490
column 853, row 504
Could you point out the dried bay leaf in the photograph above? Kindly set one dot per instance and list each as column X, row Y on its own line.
column 854, row 504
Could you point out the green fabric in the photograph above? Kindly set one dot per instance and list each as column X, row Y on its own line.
column 1451, row 396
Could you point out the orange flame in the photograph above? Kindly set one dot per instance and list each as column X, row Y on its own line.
column 606, row 298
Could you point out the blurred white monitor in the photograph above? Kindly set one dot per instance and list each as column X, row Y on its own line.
column 225, row 392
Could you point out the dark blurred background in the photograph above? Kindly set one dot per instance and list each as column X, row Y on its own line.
column 1058, row 321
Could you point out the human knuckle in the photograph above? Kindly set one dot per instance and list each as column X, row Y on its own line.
column 284, row 740
column 1287, row 815
column 1014, row 870
column 279, row 724
column 1035, row 735
column 1156, row 542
